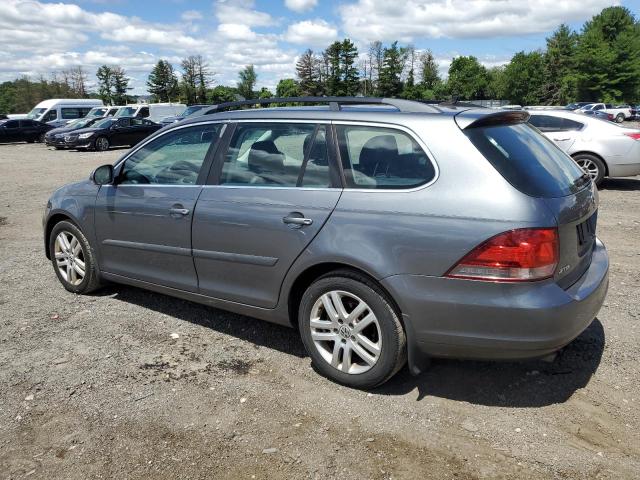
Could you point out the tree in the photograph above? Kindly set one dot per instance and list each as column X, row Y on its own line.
column 390, row 82
column 308, row 74
column 247, row 78
column 105, row 84
column 429, row 75
column 287, row 87
column 222, row 94
column 265, row 93
column 188, row 80
column 524, row 78
column 467, row 78
column 559, row 85
column 496, row 83
column 162, row 82
column 120, row 86
column 350, row 79
column 333, row 84
column 204, row 78
column 376, row 59
column 608, row 57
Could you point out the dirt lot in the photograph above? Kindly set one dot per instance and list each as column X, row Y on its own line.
column 128, row 384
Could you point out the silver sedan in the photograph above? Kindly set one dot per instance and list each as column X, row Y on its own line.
column 602, row 149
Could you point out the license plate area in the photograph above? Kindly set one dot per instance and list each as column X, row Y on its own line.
column 586, row 232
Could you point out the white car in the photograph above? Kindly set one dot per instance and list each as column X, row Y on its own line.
column 601, row 148
column 619, row 114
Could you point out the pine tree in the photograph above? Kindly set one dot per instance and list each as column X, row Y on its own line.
column 429, row 75
column 390, row 83
column 559, row 66
column 332, row 60
column 308, row 74
column 247, row 78
column 105, row 84
column 348, row 70
column 162, row 82
column 120, row 86
column 189, row 79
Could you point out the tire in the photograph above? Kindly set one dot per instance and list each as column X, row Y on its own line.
column 41, row 138
column 101, row 144
column 592, row 165
column 620, row 118
column 70, row 277
column 338, row 357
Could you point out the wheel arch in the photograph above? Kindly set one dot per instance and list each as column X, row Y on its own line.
column 587, row 152
column 52, row 222
column 305, row 278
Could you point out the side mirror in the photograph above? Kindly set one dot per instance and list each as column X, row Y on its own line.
column 103, row 175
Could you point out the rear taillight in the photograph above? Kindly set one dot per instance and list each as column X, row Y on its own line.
column 635, row 136
column 610, row 116
column 516, row 256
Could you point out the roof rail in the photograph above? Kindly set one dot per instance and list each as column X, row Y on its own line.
column 335, row 103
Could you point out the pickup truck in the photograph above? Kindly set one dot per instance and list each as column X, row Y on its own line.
column 619, row 114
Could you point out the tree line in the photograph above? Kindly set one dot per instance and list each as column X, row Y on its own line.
column 601, row 62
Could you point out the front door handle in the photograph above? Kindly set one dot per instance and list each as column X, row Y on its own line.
column 299, row 221
column 561, row 139
column 178, row 211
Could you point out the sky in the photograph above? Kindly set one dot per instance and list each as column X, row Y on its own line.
column 40, row 37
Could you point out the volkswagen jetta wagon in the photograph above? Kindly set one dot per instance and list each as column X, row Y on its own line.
column 384, row 230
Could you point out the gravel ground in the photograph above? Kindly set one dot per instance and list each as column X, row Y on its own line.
column 132, row 384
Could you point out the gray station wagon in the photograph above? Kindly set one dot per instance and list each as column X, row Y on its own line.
column 384, row 230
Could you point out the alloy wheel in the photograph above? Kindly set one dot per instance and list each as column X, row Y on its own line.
column 102, row 144
column 589, row 167
column 69, row 258
column 346, row 332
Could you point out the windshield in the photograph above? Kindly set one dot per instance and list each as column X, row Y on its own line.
column 96, row 112
column 36, row 112
column 106, row 123
column 528, row 160
column 125, row 112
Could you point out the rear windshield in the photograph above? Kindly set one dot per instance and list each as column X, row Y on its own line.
column 528, row 160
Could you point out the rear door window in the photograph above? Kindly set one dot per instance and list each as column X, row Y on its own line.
column 277, row 155
column 549, row 123
column 528, row 160
column 382, row 158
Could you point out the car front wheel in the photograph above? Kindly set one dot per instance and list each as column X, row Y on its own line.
column 351, row 331
column 102, row 144
column 73, row 259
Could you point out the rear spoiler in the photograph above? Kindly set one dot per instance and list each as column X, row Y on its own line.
column 480, row 118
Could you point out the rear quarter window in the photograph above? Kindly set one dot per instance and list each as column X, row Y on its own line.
column 528, row 160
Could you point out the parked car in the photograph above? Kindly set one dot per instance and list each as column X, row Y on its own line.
column 55, row 137
column 361, row 226
column 111, row 132
column 153, row 111
column 619, row 114
column 576, row 105
column 58, row 111
column 22, row 131
column 602, row 115
column 101, row 112
column 602, row 149
column 190, row 110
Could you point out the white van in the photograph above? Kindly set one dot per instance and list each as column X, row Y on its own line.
column 58, row 111
column 101, row 112
column 153, row 111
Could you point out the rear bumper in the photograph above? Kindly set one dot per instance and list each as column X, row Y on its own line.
column 448, row 317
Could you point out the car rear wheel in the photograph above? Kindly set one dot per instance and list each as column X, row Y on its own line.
column 620, row 118
column 351, row 330
column 73, row 259
column 591, row 165
column 41, row 138
column 101, row 144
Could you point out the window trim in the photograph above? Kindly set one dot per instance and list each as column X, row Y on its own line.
column 390, row 126
column 206, row 164
column 213, row 180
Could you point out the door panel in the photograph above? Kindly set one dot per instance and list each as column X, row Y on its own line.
column 564, row 140
column 243, row 248
column 141, row 237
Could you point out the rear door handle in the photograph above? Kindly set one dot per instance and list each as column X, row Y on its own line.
column 301, row 221
column 561, row 139
column 178, row 211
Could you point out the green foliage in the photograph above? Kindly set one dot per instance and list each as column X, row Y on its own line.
column 287, row 87
column 496, row 83
column 222, row 94
column 608, row 57
column 265, row 93
column 559, row 86
column 22, row 94
column 162, row 82
column 342, row 77
column 467, row 78
column 247, row 78
column 524, row 78
column 389, row 81
column 429, row 75
column 308, row 70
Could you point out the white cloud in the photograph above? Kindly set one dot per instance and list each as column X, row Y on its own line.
column 315, row 33
column 300, row 5
column 191, row 16
column 368, row 20
column 241, row 11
